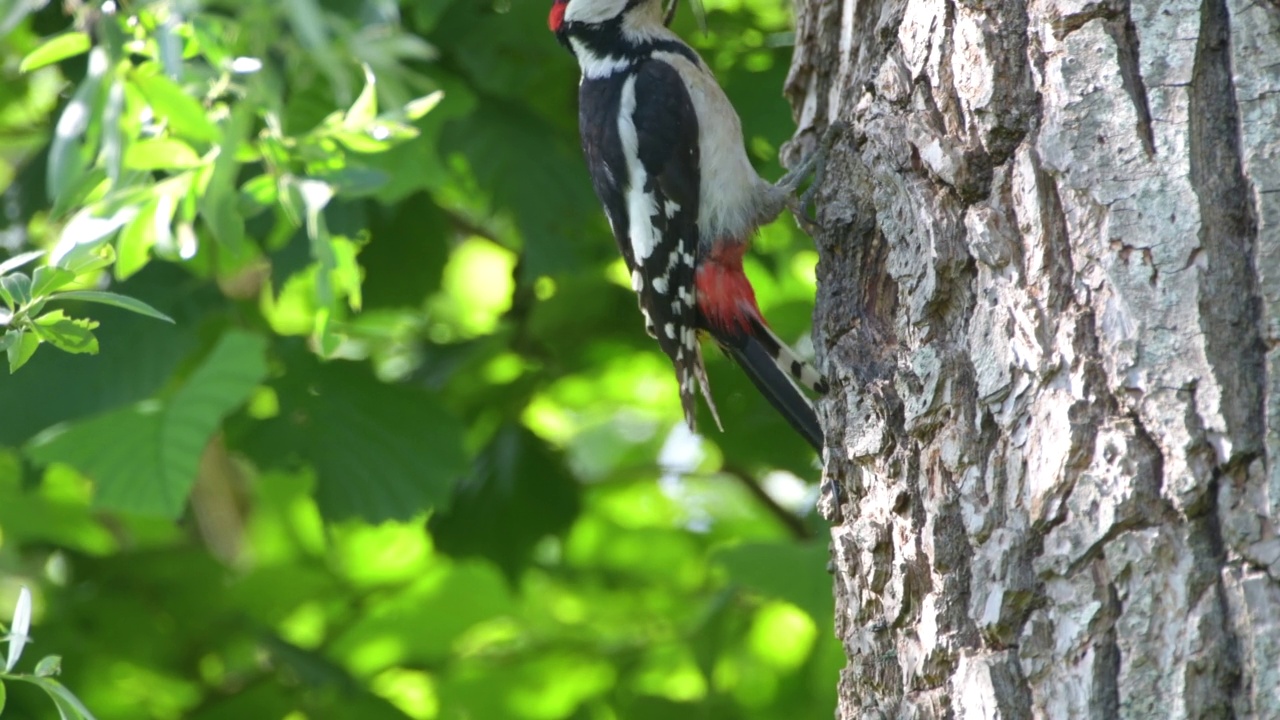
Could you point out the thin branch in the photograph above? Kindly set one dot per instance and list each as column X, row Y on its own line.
column 794, row 523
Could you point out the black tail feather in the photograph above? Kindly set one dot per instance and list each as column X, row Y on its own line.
column 759, row 364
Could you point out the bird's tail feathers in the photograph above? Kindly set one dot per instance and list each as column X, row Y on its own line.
column 774, row 369
column 690, row 373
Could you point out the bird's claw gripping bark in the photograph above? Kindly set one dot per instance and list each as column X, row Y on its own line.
column 817, row 164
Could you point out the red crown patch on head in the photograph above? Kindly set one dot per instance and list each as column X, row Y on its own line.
column 556, row 19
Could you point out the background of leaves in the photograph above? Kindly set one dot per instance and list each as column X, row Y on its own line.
column 405, row 450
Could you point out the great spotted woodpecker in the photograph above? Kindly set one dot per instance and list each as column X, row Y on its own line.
column 665, row 151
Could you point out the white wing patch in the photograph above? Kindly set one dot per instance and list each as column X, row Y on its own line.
column 641, row 205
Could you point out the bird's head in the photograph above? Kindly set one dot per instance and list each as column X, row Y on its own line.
column 571, row 18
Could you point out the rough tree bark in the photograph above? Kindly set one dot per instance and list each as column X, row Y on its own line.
column 1050, row 303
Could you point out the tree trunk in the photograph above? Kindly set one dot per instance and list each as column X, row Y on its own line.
column 1050, row 305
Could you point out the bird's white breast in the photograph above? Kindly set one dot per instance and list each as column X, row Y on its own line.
column 730, row 188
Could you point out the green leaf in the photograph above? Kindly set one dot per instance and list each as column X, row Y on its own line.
column 518, row 492
column 50, row 278
column 111, row 154
column 55, row 49
column 398, row 273
column 355, row 181
column 84, row 258
column 510, row 149
column 160, row 154
column 418, row 107
column 20, row 348
column 15, row 288
column 135, row 241
column 220, row 203
column 313, row 196
column 123, row 302
column 379, row 451
column 67, row 154
column 378, row 136
column 49, row 666
column 144, row 458
column 86, row 232
column 67, row 334
column 185, row 116
column 365, row 108
column 260, row 190
column 69, row 706
column 19, row 260
column 307, row 19
column 2, row 697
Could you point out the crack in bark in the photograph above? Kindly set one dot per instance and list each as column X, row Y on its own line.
column 1125, row 35
column 1117, row 22
column 1105, row 700
column 1230, row 306
column 1224, row 685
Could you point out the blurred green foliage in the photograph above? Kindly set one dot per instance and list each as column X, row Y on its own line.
column 405, row 450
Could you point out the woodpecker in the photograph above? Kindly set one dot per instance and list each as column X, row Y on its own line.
column 666, row 156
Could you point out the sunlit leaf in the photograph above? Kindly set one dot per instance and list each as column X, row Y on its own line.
column 18, row 628
column 20, row 345
column 111, row 154
column 418, row 107
column 219, row 204
column 160, row 154
column 15, row 288
column 55, row 49
column 84, row 233
column 67, row 334
column 49, row 278
column 49, row 666
column 183, row 113
column 365, row 108
column 66, row 159
column 19, row 260
column 85, row 258
column 144, row 457
column 69, row 706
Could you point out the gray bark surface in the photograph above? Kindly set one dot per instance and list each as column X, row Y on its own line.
column 1050, row 306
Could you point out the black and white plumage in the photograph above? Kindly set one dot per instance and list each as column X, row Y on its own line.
column 666, row 156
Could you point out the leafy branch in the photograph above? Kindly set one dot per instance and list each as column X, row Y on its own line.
column 46, row 670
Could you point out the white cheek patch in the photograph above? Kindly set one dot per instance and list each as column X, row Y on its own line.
column 595, row 66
